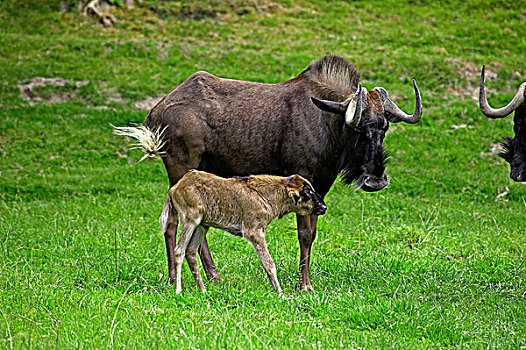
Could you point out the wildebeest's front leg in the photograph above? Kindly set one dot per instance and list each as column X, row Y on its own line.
column 306, row 235
column 260, row 245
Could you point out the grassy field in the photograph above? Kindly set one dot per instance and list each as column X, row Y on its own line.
column 432, row 261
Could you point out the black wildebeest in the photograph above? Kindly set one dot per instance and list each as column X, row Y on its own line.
column 318, row 125
column 513, row 148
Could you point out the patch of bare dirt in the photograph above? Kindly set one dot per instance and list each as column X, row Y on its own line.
column 148, row 103
column 201, row 9
column 30, row 92
column 59, row 90
column 470, row 72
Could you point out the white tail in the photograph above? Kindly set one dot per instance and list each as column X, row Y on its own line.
column 151, row 141
column 165, row 214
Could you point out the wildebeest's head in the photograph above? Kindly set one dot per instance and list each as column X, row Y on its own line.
column 306, row 200
column 513, row 148
column 367, row 115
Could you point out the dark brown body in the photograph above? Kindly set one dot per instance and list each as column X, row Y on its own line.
column 241, row 128
column 242, row 206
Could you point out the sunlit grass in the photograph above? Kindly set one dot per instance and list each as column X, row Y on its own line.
column 431, row 261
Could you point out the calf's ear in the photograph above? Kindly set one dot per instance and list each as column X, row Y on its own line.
column 295, row 184
column 295, row 196
column 296, row 181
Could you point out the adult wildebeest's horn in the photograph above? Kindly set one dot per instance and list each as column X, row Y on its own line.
column 353, row 115
column 500, row 112
column 351, row 110
column 394, row 114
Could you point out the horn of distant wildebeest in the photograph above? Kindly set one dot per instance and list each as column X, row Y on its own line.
column 485, row 108
column 394, row 114
column 354, row 109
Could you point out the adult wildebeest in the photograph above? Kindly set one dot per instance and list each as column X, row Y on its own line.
column 513, row 148
column 318, row 125
column 242, row 206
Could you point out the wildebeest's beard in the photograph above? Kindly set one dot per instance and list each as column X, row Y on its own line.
column 506, row 149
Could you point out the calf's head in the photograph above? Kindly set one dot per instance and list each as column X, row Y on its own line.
column 306, row 200
column 513, row 148
column 367, row 116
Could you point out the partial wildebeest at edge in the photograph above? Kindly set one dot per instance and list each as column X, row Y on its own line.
column 242, row 206
column 513, row 148
column 318, row 125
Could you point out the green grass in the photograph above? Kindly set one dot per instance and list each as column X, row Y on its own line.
column 431, row 261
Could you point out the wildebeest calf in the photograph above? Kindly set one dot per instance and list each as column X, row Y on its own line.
column 243, row 206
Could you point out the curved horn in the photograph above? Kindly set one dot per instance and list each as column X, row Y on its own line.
column 329, row 106
column 353, row 115
column 500, row 112
column 395, row 114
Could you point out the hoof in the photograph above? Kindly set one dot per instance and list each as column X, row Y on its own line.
column 306, row 288
column 216, row 279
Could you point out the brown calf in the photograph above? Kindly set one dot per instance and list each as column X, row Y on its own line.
column 243, row 206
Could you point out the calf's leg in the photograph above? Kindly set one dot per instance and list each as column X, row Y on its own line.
column 260, row 246
column 189, row 158
column 187, row 230
column 306, row 235
column 191, row 255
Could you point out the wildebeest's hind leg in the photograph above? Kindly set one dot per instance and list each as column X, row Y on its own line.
column 168, row 221
column 191, row 255
column 306, row 235
column 260, row 246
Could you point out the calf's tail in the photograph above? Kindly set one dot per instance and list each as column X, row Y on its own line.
column 150, row 140
column 168, row 215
